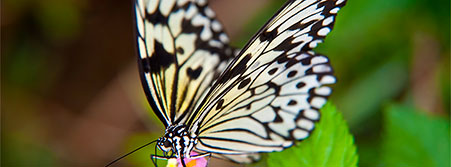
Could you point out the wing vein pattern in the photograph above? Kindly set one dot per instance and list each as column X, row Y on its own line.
column 269, row 96
column 182, row 48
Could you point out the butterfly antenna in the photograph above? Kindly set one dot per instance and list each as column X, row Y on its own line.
column 112, row 162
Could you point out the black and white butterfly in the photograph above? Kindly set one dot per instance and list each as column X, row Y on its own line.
column 216, row 100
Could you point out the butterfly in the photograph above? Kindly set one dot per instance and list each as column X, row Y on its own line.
column 216, row 100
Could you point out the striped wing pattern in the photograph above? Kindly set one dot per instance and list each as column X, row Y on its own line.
column 182, row 48
column 262, row 100
column 270, row 95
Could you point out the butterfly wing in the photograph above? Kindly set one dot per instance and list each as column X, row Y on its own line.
column 270, row 95
column 182, row 48
column 239, row 158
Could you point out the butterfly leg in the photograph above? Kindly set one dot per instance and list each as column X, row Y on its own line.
column 182, row 159
column 209, row 158
column 154, row 161
column 169, row 157
column 154, row 158
column 200, row 155
column 161, row 157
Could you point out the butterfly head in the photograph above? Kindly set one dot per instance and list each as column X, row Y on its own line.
column 178, row 140
column 164, row 144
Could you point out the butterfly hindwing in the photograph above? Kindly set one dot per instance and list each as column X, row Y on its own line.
column 265, row 115
column 182, row 49
column 270, row 95
column 239, row 158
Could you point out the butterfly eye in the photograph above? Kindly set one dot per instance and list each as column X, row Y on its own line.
column 167, row 144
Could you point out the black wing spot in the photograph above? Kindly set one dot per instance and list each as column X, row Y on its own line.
column 159, row 59
column 156, row 18
column 145, row 65
column 301, row 26
column 180, row 50
column 300, row 85
column 285, row 45
column 306, row 61
column 278, row 119
column 239, row 68
column 292, row 74
column 272, row 71
column 189, row 28
column 290, row 63
column 312, row 95
column 282, row 59
column 268, row 35
column 194, row 74
column 220, row 103
column 309, row 71
column 292, row 102
column 244, row 83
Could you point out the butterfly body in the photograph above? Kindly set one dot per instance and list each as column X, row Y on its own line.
column 177, row 139
column 216, row 100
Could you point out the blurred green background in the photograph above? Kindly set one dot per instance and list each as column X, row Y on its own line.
column 71, row 94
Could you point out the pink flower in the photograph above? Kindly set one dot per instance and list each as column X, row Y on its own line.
column 198, row 162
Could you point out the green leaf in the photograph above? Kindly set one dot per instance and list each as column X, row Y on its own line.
column 415, row 139
column 330, row 144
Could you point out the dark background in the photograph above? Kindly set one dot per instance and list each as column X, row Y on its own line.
column 71, row 96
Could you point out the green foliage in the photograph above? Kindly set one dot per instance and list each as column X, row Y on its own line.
column 414, row 139
column 19, row 151
column 60, row 19
column 142, row 156
column 251, row 27
column 331, row 144
column 370, row 99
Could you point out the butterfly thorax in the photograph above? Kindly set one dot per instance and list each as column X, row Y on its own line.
column 178, row 140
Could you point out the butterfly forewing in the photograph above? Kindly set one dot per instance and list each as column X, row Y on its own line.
column 182, row 48
column 270, row 95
